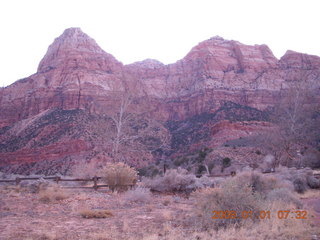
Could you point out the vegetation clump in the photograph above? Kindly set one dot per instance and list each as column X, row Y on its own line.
column 225, row 162
column 52, row 194
column 138, row 195
column 238, row 201
column 177, row 180
column 95, row 213
column 119, row 175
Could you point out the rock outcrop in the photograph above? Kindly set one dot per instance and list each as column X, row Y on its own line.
column 76, row 74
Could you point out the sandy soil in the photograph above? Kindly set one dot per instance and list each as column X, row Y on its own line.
column 24, row 216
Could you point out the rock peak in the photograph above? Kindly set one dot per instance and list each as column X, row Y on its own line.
column 72, row 31
column 148, row 63
column 72, row 40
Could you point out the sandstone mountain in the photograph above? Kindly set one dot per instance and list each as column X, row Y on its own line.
column 64, row 113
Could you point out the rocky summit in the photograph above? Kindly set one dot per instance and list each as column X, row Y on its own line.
column 69, row 109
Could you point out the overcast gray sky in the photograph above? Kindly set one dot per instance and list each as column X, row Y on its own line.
column 166, row 30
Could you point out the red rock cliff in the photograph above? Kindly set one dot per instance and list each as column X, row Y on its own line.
column 57, row 114
column 77, row 73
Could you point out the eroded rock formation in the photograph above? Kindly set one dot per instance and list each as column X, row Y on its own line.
column 77, row 75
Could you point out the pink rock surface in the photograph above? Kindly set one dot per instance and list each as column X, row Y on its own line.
column 76, row 73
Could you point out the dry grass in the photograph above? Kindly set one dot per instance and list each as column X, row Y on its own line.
column 138, row 195
column 274, row 229
column 311, row 193
column 95, row 213
column 52, row 194
column 284, row 195
column 230, row 197
column 247, row 192
column 37, row 236
column 160, row 218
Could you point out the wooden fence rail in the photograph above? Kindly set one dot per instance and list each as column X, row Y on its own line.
column 58, row 179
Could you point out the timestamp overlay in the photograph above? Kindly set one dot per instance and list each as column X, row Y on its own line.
column 280, row 214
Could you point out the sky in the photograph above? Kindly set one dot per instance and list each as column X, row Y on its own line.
column 166, row 30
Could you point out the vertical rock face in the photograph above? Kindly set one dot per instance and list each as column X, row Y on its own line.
column 76, row 74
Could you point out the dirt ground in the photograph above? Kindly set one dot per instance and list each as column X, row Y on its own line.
column 314, row 204
column 24, row 216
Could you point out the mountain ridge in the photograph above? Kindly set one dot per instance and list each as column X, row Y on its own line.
column 76, row 74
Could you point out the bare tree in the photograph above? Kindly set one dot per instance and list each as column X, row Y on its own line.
column 120, row 120
column 296, row 124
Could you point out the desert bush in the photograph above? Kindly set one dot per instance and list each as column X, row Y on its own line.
column 177, row 180
column 231, row 196
column 300, row 185
column 261, row 183
column 119, row 175
column 52, row 194
column 273, row 228
column 180, row 161
column 211, row 165
column 202, row 182
column 311, row 159
column 31, row 186
column 201, row 169
column 225, row 162
column 95, row 213
column 237, row 194
column 313, row 182
column 202, row 156
column 284, row 195
column 138, row 195
column 298, row 177
column 173, row 180
column 148, row 171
